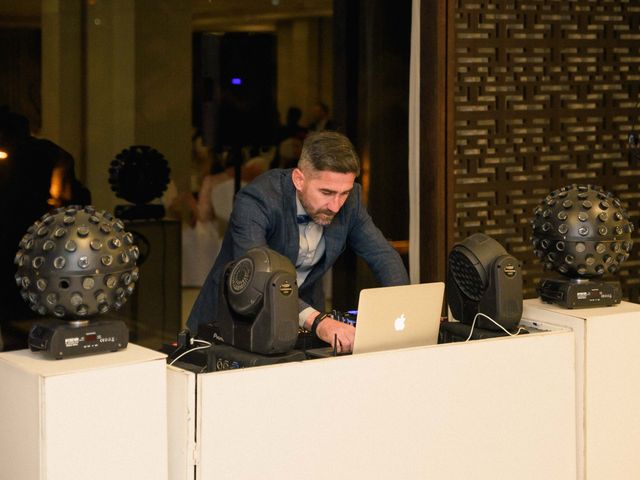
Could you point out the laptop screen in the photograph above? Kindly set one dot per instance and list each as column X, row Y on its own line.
column 398, row 317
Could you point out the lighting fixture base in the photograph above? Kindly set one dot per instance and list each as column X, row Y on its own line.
column 579, row 293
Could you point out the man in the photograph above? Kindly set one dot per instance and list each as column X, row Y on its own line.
column 307, row 214
column 320, row 118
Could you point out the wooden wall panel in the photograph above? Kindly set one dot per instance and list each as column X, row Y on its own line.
column 435, row 142
column 545, row 94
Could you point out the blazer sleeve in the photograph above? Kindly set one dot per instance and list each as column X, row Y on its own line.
column 250, row 222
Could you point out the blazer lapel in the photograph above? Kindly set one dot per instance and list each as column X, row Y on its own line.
column 334, row 242
column 292, row 233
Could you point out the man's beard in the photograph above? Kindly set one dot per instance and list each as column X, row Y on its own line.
column 321, row 217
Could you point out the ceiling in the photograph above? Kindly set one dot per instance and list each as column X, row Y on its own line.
column 218, row 15
column 227, row 15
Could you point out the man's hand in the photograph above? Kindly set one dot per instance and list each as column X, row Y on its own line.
column 331, row 330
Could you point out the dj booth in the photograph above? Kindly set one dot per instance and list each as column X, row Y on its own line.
column 501, row 407
column 558, row 403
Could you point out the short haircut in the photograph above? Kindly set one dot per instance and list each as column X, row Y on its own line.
column 329, row 151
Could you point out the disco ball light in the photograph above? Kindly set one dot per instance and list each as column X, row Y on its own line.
column 76, row 262
column 139, row 174
column 581, row 231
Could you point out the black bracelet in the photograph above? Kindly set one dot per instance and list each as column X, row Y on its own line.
column 317, row 320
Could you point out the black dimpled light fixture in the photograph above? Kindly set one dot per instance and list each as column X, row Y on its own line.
column 582, row 232
column 139, row 174
column 73, row 264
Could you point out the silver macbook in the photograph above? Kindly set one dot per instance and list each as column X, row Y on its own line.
column 396, row 317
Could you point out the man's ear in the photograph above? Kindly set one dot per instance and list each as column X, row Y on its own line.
column 298, row 178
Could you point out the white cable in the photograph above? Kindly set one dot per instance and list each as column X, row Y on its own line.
column 194, row 340
column 473, row 324
column 188, row 351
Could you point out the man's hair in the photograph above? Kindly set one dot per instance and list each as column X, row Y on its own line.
column 329, row 151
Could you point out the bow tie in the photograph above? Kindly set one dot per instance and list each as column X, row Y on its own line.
column 302, row 219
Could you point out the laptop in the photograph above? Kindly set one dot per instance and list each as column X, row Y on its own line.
column 395, row 317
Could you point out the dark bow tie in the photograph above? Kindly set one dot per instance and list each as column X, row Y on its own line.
column 302, row 219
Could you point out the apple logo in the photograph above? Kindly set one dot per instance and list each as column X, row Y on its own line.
column 398, row 324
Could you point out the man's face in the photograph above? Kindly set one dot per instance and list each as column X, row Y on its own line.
column 322, row 193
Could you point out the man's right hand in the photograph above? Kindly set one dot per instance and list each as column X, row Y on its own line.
column 342, row 334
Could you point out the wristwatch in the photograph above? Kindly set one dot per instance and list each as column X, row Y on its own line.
column 317, row 320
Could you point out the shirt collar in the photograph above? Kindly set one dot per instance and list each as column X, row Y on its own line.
column 299, row 208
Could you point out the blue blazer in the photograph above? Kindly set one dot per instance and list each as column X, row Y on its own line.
column 264, row 214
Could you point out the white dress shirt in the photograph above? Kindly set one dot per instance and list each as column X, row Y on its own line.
column 310, row 251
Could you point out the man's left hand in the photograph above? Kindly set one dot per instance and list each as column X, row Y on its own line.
column 340, row 335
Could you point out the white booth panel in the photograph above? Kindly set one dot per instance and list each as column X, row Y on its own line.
column 20, row 447
column 181, row 405
column 497, row 408
column 101, row 417
column 607, row 384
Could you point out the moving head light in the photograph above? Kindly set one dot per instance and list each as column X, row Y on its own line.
column 483, row 278
column 258, row 303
